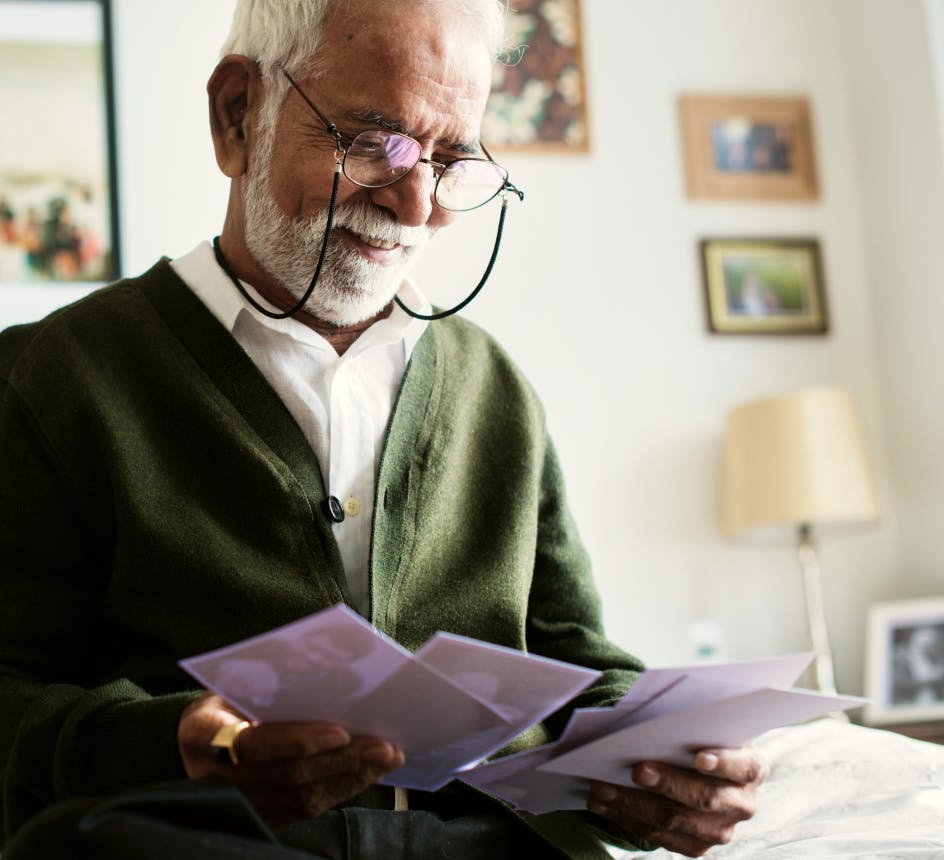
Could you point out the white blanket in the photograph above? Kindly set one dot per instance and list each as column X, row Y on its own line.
column 841, row 791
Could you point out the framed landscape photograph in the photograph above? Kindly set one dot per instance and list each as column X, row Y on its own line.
column 748, row 147
column 905, row 661
column 763, row 286
column 538, row 101
column 58, row 214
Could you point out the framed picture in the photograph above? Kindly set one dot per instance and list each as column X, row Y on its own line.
column 763, row 286
column 538, row 101
column 905, row 661
column 58, row 214
column 748, row 148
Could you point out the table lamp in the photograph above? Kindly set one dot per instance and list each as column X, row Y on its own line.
column 799, row 461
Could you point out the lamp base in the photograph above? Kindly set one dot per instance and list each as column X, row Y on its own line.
column 823, row 675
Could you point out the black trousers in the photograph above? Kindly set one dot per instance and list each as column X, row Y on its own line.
column 211, row 820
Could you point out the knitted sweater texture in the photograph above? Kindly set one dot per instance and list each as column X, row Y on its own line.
column 157, row 500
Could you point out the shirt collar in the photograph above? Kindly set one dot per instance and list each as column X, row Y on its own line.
column 201, row 272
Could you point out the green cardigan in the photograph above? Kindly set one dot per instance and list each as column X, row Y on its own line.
column 157, row 500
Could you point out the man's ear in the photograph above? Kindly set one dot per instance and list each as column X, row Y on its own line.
column 236, row 93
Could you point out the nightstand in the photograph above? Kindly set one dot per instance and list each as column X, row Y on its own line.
column 932, row 731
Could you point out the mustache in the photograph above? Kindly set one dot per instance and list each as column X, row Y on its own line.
column 367, row 220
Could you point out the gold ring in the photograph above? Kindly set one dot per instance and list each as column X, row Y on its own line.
column 224, row 741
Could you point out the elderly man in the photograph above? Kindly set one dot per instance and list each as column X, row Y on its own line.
column 229, row 443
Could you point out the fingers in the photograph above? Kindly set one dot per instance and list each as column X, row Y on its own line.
column 204, row 717
column 287, row 801
column 260, row 742
column 658, row 820
column 743, row 766
column 723, row 780
column 697, row 791
column 288, row 771
column 198, row 724
column 367, row 759
column 286, row 790
column 266, row 742
column 683, row 810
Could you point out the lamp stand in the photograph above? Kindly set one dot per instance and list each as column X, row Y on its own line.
column 815, row 615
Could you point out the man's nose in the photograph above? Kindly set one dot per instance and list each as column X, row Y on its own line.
column 411, row 199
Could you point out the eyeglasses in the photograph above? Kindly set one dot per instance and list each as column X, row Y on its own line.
column 378, row 158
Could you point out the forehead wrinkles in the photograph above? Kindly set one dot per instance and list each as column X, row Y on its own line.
column 412, row 72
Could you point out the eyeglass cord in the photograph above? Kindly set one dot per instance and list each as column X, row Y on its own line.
column 488, row 271
column 281, row 315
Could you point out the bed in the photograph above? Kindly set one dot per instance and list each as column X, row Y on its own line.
column 837, row 790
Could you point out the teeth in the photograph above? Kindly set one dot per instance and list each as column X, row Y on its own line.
column 377, row 243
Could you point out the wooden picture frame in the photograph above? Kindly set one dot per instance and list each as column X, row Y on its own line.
column 538, row 101
column 763, row 286
column 748, row 147
column 905, row 662
column 58, row 189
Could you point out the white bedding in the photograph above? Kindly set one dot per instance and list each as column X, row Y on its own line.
column 841, row 791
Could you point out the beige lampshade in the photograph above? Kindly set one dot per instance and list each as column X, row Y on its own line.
column 797, row 458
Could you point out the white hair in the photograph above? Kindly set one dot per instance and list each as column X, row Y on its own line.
column 286, row 34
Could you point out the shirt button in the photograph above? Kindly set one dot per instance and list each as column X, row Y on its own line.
column 334, row 509
column 352, row 507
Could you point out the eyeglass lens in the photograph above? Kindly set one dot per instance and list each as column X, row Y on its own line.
column 378, row 158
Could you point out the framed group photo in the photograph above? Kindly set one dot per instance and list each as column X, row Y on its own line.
column 748, row 147
column 58, row 213
column 763, row 286
column 905, row 662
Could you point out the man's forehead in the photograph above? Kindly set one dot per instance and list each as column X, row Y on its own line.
column 433, row 57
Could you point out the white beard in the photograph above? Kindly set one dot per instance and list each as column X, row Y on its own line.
column 350, row 288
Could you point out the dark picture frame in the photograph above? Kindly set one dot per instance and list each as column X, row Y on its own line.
column 763, row 286
column 58, row 166
column 905, row 662
column 538, row 101
column 748, row 147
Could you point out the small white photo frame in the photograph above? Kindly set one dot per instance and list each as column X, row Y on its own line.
column 905, row 662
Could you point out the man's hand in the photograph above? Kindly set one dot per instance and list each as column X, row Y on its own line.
column 288, row 771
column 688, row 811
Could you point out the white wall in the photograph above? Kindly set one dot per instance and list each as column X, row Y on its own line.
column 597, row 294
column 894, row 55
column 935, row 17
column 638, row 400
column 172, row 194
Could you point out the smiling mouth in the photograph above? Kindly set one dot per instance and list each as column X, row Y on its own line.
column 374, row 242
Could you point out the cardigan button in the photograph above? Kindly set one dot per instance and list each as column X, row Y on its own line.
column 334, row 509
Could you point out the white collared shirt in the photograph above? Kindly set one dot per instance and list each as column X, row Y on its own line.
column 342, row 403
